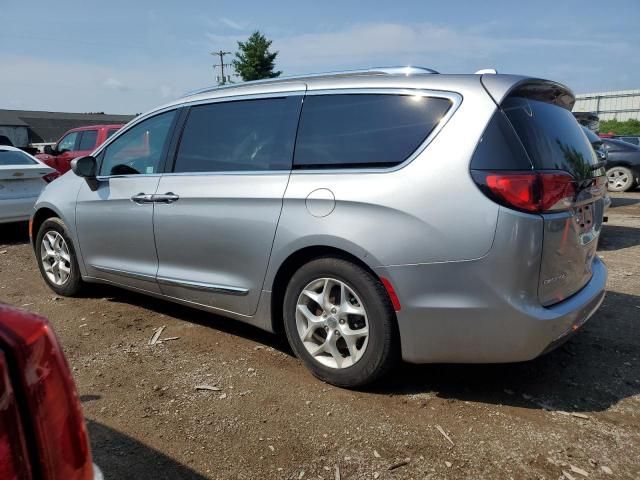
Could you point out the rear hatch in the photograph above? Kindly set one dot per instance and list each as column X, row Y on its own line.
column 555, row 141
column 551, row 170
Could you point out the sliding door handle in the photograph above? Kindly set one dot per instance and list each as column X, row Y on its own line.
column 142, row 198
column 168, row 197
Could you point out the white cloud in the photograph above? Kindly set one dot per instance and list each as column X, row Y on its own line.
column 114, row 84
column 231, row 24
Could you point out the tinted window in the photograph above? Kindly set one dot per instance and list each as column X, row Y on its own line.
column 618, row 146
column 12, row 157
column 499, row 147
column 633, row 140
column 364, row 129
column 551, row 135
column 88, row 140
column 68, row 142
column 111, row 132
column 242, row 135
column 140, row 149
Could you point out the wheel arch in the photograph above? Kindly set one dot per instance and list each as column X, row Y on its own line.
column 38, row 218
column 292, row 263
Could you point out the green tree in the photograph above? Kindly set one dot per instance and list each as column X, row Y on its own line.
column 254, row 61
column 630, row 127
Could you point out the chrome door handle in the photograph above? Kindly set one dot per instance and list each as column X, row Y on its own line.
column 142, row 198
column 168, row 197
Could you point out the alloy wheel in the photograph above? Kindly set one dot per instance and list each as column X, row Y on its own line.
column 619, row 179
column 56, row 259
column 332, row 323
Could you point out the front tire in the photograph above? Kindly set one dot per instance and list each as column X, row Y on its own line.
column 620, row 179
column 56, row 258
column 340, row 322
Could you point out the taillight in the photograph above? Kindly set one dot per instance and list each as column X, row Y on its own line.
column 50, row 177
column 14, row 462
column 534, row 192
column 53, row 413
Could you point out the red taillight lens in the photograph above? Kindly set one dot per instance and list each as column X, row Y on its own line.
column 52, row 406
column 14, row 463
column 50, row 177
column 528, row 191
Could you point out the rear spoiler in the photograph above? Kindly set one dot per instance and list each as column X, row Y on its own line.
column 500, row 87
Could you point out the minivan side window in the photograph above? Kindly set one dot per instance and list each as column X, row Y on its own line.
column 88, row 140
column 364, row 130
column 242, row 135
column 140, row 149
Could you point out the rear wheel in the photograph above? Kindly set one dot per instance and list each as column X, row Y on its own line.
column 57, row 258
column 340, row 323
column 620, row 179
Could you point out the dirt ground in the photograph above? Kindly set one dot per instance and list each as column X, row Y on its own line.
column 576, row 410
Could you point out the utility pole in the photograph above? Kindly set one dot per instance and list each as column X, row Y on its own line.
column 222, row 79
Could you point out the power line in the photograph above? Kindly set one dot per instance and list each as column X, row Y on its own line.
column 222, row 79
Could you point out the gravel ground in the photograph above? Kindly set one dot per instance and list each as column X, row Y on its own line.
column 576, row 410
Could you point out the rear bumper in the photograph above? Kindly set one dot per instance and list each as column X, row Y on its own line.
column 16, row 209
column 480, row 322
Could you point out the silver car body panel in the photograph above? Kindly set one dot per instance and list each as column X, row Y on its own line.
column 466, row 270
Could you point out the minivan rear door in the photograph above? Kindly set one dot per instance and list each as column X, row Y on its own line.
column 555, row 141
column 218, row 207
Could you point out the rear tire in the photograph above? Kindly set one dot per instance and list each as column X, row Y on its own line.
column 329, row 335
column 56, row 258
column 620, row 179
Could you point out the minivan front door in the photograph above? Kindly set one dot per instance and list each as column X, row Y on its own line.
column 115, row 221
column 215, row 230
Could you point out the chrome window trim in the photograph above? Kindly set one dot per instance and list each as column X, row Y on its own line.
column 226, row 172
column 242, row 97
column 454, row 97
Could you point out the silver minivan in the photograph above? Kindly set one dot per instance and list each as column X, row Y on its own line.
column 371, row 216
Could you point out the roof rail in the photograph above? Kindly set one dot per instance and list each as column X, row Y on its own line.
column 408, row 70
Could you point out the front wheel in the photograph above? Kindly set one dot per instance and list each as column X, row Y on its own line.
column 620, row 179
column 57, row 259
column 340, row 322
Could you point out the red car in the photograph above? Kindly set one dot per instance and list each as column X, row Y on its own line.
column 77, row 142
column 42, row 430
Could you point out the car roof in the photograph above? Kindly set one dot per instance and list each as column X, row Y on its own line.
column 385, row 77
column 498, row 86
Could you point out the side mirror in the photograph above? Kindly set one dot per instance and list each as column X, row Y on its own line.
column 48, row 149
column 86, row 167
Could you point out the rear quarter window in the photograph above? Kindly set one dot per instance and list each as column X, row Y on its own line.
column 551, row 136
column 364, row 130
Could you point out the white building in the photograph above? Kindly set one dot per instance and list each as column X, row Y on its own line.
column 621, row 105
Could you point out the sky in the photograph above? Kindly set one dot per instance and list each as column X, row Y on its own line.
column 119, row 56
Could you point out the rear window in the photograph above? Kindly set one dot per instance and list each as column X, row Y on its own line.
column 13, row 157
column 551, row 136
column 356, row 130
